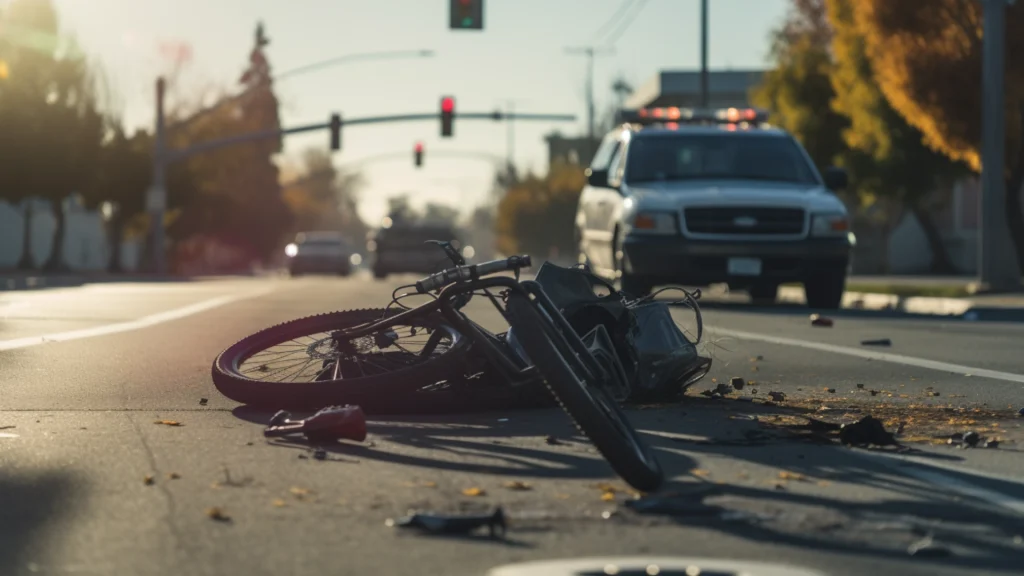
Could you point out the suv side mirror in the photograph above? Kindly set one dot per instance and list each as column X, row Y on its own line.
column 597, row 178
column 835, row 178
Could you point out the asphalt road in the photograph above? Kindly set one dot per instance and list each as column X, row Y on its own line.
column 85, row 373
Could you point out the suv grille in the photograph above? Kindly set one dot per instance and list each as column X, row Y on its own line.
column 738, row 220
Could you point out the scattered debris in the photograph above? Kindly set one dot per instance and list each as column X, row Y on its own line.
column 777, row 396
column 168, row 422
column 787, row 475
column 474, row 492
column 868, row 431
column 780, row 487
column 700, row 472
column 320, row 454
column 300, row 493
column 279, row 503
column 148, row 480
column 933, row 393
column 860, row 386
column 518, row 485
column 552, row 441
column 327, row 425
column 203, row 401
column 218, row 514
column 608, row 496
column 830, row 390
column 927, row 548
column 439, row 524
column 738, row 383
column 993, row 443
column 173, row 476
column 877, row 342
column 822, row 321
column 971, row 438
column 723, row 388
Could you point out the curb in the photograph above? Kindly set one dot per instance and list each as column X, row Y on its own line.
column 924, row 305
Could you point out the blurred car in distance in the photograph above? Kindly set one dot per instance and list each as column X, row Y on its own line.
column 320, row 253
column 404, row 248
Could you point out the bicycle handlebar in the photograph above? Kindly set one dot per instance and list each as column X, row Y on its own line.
column 470, row 272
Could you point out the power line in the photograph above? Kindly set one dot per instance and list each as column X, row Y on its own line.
column 626, row 22
column 626, row 4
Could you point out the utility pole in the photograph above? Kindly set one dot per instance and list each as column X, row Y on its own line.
column 156, row 196
column 590, row 52
column 510, row 136
column 704, row 95
column 997, row 267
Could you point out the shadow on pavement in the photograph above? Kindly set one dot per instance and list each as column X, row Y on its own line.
column 838, row 516
column 29, row 506
column 460, row 443
column 785, row 309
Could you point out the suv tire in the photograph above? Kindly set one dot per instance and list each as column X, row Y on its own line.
column 764, row 294
column 824, row 288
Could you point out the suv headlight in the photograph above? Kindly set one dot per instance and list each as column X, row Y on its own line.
column 830, row 225
column 654, row 223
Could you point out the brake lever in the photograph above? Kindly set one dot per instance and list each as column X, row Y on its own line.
column 449, row 251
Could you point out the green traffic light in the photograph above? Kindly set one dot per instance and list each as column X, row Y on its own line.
column 467, row 22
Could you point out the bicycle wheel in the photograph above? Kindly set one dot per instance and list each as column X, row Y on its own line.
column 292, row 365
column 594, row 412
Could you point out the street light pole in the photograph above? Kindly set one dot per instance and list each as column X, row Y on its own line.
column 704, row 95
column 997, row 267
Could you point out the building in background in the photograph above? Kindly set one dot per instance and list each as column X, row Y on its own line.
column 726, row 89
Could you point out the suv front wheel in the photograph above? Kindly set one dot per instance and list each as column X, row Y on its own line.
column 824, row 288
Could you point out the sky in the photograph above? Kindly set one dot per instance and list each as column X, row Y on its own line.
column 519, row 57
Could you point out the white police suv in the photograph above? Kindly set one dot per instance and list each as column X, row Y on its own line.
column 700, row 197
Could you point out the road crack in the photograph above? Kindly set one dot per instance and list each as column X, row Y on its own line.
column 162, row 487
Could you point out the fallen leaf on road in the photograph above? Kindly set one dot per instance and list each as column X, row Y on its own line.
column 474, row 492
column 174, row 475
column 787, row 475
column 518, row 485
column 608, row 487
column 279, row 503
column 168, row 422
column 218, row 514
column 608, row 496
column 203, row 401
column 699, row 472
column 148, row 480
column 300, row 493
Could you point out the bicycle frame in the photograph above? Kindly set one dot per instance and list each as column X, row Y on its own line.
column 557, row 327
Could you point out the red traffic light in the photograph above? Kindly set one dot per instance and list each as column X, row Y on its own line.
column 419, row 148
column 448, row 104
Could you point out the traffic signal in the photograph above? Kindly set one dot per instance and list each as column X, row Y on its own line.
column 447, row 115
column 467, row 14
column 335, row 131
column 417, row 154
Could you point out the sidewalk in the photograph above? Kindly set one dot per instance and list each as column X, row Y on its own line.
column 999, row 307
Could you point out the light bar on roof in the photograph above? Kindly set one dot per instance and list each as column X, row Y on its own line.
column 658, row 115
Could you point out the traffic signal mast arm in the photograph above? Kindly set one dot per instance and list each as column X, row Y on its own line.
column 185, row 153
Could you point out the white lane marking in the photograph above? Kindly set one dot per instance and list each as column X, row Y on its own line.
column 144, row 322
column 869, row 354
column 919, row 468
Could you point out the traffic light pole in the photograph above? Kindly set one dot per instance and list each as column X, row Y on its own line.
column 156, row 198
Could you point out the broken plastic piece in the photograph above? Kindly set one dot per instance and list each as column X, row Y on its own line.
column 819, row 320
column 878, row 342
column 866, row 432
column 777, row 396
column 971, row 439
column 723, row 388
column 440, row 524
column 738, row 383
column 329, row 424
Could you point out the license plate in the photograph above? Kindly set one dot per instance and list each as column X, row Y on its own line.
column 745, row 266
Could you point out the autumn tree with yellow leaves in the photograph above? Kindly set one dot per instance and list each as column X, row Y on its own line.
column 927, row 60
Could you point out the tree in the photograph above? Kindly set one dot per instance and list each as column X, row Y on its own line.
column 319, row 196
column 927, row 59
column 536, row 216
column 891, row 158
column 49, row 111
column 798, row 89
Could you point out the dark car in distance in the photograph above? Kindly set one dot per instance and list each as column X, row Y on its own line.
column 319, row 253
column 405, row 248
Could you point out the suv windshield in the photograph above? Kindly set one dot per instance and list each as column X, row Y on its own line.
column 717, row 156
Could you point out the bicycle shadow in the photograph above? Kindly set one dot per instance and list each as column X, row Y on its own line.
column 500, row 444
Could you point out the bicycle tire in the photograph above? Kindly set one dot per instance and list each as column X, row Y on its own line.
column 373, row 391
column 621, row 446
